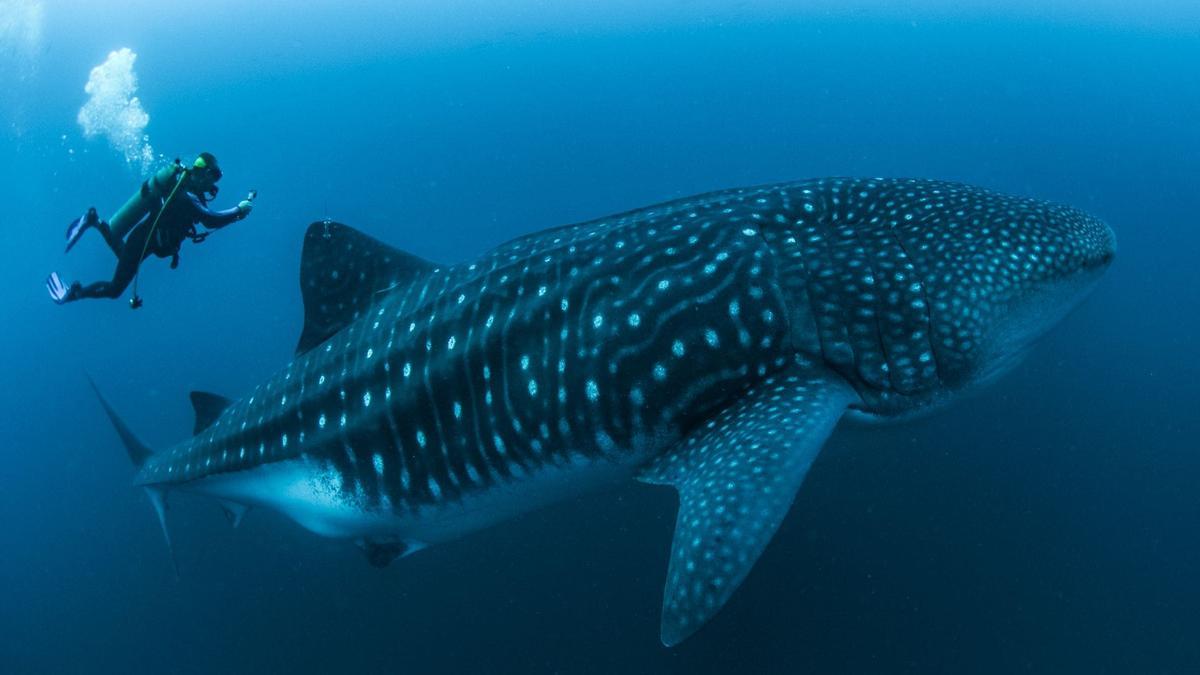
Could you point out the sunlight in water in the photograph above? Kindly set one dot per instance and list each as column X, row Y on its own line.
column 21, row 25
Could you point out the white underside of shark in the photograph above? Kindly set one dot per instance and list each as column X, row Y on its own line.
column 310, row 494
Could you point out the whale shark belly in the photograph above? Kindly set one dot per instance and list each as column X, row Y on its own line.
column 312, row 494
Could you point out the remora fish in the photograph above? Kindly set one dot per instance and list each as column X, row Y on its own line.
column 709, row 343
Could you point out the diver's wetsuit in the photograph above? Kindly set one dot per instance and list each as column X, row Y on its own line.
column 176, row 224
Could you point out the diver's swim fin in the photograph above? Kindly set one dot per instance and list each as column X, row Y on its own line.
column 80, row 225
column 60, row 293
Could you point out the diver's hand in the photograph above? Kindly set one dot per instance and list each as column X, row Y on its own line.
column 245, row 206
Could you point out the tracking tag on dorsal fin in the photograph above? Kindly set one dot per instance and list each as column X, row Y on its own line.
column 208, row 408
column 341, row 272
column 737, row 475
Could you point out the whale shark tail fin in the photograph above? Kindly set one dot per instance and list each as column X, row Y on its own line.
column 139, row 452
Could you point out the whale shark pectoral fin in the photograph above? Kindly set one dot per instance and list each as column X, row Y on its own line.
column 341, row 272
column 737, row 477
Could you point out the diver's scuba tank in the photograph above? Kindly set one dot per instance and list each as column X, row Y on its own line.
column 148, row 197
column 166, row 182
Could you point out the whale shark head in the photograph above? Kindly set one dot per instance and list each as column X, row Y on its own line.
column 913, row 290
column 1001, row 274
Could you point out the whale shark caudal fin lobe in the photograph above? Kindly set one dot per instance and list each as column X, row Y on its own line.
column 139, row 453
column 208, row 408
column 341, row 271
column 158, row 499
column 737, row 476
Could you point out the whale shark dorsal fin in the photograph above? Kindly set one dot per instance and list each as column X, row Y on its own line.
column 342, row 271
column 737, row 476
column 208, row 408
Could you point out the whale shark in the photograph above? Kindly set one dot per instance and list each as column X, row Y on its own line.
column 710, row 344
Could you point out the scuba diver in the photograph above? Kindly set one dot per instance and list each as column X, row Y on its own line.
column 157, row 218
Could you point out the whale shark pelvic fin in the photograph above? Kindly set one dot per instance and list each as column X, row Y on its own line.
column 234, row 511
column 737, row 476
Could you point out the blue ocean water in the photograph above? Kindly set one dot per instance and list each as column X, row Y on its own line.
column 1045, row 525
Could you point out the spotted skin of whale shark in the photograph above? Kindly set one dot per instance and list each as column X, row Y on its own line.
column 710, row 344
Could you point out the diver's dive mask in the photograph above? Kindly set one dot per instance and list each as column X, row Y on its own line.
column 206, row 173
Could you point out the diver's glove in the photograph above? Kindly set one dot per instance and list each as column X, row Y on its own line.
column 245, row 206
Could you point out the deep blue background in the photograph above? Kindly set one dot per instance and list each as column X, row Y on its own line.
column 1046, row 525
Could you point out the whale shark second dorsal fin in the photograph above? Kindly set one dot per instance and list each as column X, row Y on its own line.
column 208, row 408
column 341, row 272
